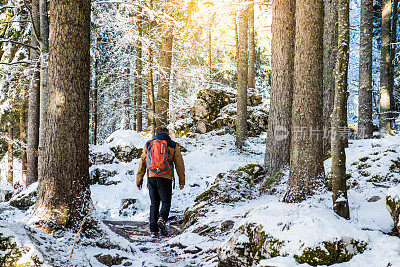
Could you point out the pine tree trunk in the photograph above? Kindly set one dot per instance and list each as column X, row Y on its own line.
column 139, row 90
column 393, row 40
column 252, row 48
column 95, row 97
column 10, row 178
column 242, row 70
column 64, row 193
column 33, row 102
column 162, row 106
column 306, row 173
column 210, row 71
column 330, row 50
column 386, row 94
column 22, row 135
column 365, row 125
column 150, row 96
column 151, row 122
column 339, row 117
column 277, row 153
column 44, row 36
column 127, row 101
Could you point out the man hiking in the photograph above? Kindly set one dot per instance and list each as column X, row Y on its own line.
column 158, row 159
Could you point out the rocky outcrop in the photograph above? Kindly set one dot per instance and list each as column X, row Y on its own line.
column 393, row 205
column 120, row 146
column 216, row 109
column 101, row 175
column 234, row 186
column 5, row 194
column 290, row 230
column 26, row 198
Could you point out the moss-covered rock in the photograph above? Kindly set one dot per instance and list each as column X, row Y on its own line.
column 25, row 199
column 101, row 175
column 234, row 186
column 100, row 155
column 250, row 244
column 393, row 205
column 215, row 109
column 5, row 194
column 331, row 252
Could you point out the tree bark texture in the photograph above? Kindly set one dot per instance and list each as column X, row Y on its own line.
column 34, row 102
column 386, row 94
column 150, row 96
column 139, row 89
column 277, row 153
column 10, row 178
column 64, row 193
column 252, row 48
column 162, row 105
column 339, row 117
column 95, row 96
column 330, row 50
column 393, row 40
column 44, row 36
column 365, row 125
column 306, row 174
column 22, row 134
column 242, row 70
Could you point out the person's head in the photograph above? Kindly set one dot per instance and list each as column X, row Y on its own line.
column 162, row 129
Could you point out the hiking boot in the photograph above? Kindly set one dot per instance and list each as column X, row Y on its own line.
column 162, row 227
column 154, row 234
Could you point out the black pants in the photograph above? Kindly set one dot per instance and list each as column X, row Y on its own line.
column 160, row 190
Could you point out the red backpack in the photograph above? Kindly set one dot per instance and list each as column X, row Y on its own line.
column 157, row 159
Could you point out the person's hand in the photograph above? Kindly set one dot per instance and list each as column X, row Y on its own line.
column 181, row 186
column 139, row 187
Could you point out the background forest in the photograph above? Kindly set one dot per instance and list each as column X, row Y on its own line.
column 286, row 113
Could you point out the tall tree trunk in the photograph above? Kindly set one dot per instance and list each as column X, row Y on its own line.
column 252, row 48
column 277, row 153
column 330, row 38
column 34, row 101
column 127, row 101
column 44, row 36
column 386, row 94
column 95, row 95
column 64, row 193
column 162, row 106
column 393, row 40
column 22, row 135
column 151, row 122
column 210, row 71
column 306, row 173
column 365, row 125
column 242, row 70
column 10, row 178
column 339, row 117
column 139, row 89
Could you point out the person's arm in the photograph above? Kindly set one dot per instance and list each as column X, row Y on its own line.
column 179, row 166
column 142, row 169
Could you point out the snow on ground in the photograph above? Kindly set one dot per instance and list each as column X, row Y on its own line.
column 370, row 163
